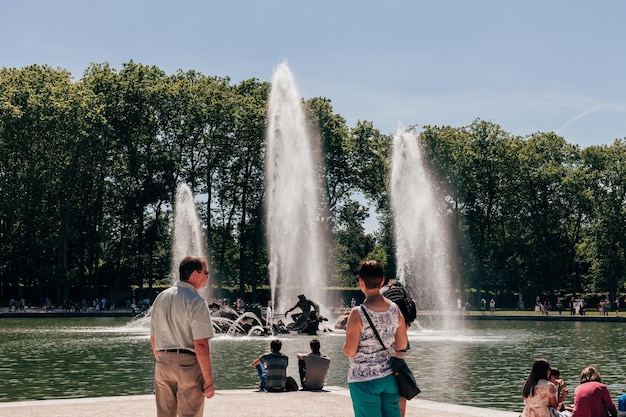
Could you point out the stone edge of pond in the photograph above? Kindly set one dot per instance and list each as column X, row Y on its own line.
column 333, row 400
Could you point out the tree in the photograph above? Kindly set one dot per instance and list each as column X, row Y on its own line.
column 608, row 228
column 249, row 170
column 548, row 212
column 40, row 147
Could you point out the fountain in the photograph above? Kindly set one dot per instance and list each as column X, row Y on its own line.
column 421, row 236
column 295, row 212
column 188, row 240
column 188, row 236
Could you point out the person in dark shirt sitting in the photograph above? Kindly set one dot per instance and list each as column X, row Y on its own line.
column 272, row 368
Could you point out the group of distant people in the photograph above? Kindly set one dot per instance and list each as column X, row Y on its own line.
column 545, row 392
column 544, row 307
column 181, row 327
column 483, row 306
column 604, row 306
column 577, row 306
column 17, row 305
column 67, row 305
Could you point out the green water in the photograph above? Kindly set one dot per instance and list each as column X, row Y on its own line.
column 483, row 364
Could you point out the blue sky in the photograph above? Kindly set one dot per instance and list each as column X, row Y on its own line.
column 529, row 66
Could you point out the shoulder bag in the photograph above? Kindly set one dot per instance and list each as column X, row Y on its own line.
column 407, row 386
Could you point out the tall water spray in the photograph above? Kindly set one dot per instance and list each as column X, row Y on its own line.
column 188, row 236
column 295, row 213
column 421, row 235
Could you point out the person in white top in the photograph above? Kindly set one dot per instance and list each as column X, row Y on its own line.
column 371, row 381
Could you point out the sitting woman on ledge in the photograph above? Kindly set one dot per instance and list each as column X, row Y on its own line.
column 539, row 393
column 592, row 397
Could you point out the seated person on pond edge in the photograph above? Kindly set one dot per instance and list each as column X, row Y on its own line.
column 621, row 405
column 592, row 398
column 313, row 367
column 539, row 393
column 562, row 391
column 272, row 368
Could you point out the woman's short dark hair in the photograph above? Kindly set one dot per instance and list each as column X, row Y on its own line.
column 554, row 371
column 372, row 274
column 188, row 265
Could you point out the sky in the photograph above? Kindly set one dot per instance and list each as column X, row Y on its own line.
column 529, row 66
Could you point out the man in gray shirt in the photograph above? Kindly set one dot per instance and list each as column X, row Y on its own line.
column 313, row 367
column 180, row 329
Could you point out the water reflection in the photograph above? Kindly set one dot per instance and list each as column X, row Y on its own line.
column 487, row 364
column 67, row 358
column 484, row 365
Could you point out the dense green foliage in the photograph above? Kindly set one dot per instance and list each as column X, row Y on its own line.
column 90, row 168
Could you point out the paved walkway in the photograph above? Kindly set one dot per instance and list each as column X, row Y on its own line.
column 333, row 402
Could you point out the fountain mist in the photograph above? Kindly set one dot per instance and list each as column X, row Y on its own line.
column 188, row 236
column 420, row 232
column 295, row 214
column 188, row 240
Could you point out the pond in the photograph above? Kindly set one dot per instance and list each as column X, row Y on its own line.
column 482, row 363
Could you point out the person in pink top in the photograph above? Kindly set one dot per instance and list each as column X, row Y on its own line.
column 539, row 393
column 592, row 397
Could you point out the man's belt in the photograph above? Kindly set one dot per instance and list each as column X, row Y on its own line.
column 186, row 351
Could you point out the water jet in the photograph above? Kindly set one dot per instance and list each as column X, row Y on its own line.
column 420, row 230
column 294, row 208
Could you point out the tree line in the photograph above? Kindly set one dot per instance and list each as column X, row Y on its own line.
column 89, row 171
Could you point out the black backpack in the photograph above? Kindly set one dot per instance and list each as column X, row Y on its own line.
column 291, row 384
column 399, row 295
